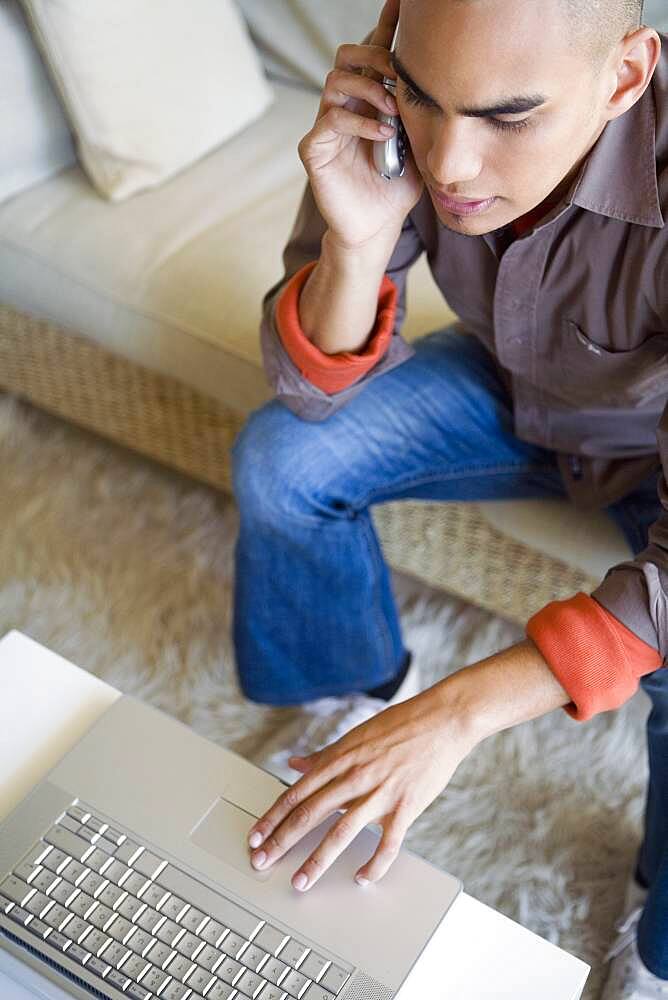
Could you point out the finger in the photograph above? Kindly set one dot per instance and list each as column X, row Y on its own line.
column 385, row 854
column 338, row 837
column 309, row 814
column 366, row 59
column 337, row 123
column 292, row 797
column 341, row 86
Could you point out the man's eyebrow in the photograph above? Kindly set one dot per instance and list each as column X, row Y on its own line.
column 509, row 106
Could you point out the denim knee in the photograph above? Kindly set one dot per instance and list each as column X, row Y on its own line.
column 273, row 465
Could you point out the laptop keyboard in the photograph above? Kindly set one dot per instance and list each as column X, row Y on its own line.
column 140, row 923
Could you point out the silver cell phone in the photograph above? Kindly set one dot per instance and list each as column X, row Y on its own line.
column 390, row 155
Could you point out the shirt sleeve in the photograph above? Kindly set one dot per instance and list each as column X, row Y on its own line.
column 332, row 372
column 283, row 368
column 597, row 660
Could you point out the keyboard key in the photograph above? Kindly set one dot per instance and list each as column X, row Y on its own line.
column 118, row 979
column 120, row 928
column 153, row 979
column 38, row 927
column 147, row 863
column 139, row 940
column 15, row 889
column 57, row 940
column 97, row 859
column 209, row 957
column 252, row 957
column 110, row 895
column 228, row 970
column 108, row 846
column 95, row 824
column 97, row 965
column 81, row 904
column 76, row 812
column 152, row 894
column 270, row 992
column 205, row 899
column 269, row 938
column 127, row 850
column 313, row 965
column 137, row 992
column 169, row 931
column 69, row 823
column 56, row 859
column 316, row 992
column 149, row 919
column 116, row 872
column 86, row 833
column 37, row 903
column 294, row 983
column 62, row 891
column 114, row 953
column 56, row 916
column 17, row 913
column 68, row 842
column 174, row 991
column 72, row 871
column 43, row 879
column 75, row 928
column 95, row 940
column 159, row 953
column 78, row 953
column 114, row 835
column 199, row 979
column 129, row 907
column 192, row 919
column 134, row 966
column 188, row 944
column 220, row 991
column 212, row 931
column 173, row 906
column 334, row 979
column 26, row 870
column 232, row 944
column 134, row 883
column 248, row 983
column 100, row 916
column 179, row 967
column 292, row 952
column 91, row 883
column 273, row 969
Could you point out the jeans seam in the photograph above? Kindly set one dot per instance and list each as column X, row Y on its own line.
column 376, row 559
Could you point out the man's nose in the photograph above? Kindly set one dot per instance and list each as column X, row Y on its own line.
column 452, row 156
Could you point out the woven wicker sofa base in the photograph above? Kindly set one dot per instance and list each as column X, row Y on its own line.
column 449, row 546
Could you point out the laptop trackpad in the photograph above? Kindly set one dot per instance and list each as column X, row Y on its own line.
column 223, row 832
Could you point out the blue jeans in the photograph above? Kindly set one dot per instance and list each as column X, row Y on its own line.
column 314, row 613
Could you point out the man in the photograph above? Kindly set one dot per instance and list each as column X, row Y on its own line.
column 537, row 183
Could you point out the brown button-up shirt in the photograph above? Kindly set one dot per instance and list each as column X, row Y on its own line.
column 575, row 313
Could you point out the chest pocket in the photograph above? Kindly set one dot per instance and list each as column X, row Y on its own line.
column 594, row 375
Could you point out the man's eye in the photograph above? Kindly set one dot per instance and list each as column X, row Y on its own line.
column 412, row 98
column 502, row 126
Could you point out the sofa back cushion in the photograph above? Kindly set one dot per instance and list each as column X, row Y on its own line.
column 35, row 140
column 149, row 87
column 299, row 38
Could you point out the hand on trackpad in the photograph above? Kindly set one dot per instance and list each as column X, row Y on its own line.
column 223, row 832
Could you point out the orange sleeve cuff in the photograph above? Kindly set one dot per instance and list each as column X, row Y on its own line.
column 596, row 659
column 332, row 372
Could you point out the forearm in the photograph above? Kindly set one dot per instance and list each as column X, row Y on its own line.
column 338, row 304
column 503, row 690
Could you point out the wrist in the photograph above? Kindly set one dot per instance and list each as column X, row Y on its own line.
column 372, row 256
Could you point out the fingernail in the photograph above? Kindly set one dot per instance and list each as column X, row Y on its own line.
column 299, row 881
column 259, row 859
column 386, row 129
column 361, row 880
column 255, row 839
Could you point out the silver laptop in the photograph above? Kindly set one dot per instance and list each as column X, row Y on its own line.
column 125, row 874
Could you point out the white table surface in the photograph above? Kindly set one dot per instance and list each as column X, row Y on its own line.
column 47, row 704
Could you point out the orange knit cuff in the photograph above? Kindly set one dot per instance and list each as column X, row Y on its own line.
column 595, row 658
column 332, row 372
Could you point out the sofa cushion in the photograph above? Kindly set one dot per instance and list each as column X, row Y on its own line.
column 151, row 87
column 35, row 140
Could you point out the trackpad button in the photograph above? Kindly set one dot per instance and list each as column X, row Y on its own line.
column 223, row 832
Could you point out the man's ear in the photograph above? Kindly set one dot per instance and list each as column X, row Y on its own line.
column 635, row 61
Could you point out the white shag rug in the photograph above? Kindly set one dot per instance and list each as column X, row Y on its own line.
column 125, row 568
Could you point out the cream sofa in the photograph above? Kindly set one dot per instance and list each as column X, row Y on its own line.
column 139, row 320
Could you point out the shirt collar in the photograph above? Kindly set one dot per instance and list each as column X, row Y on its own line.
column 618, row 177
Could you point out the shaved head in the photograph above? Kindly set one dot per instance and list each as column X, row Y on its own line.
column 599, row 24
